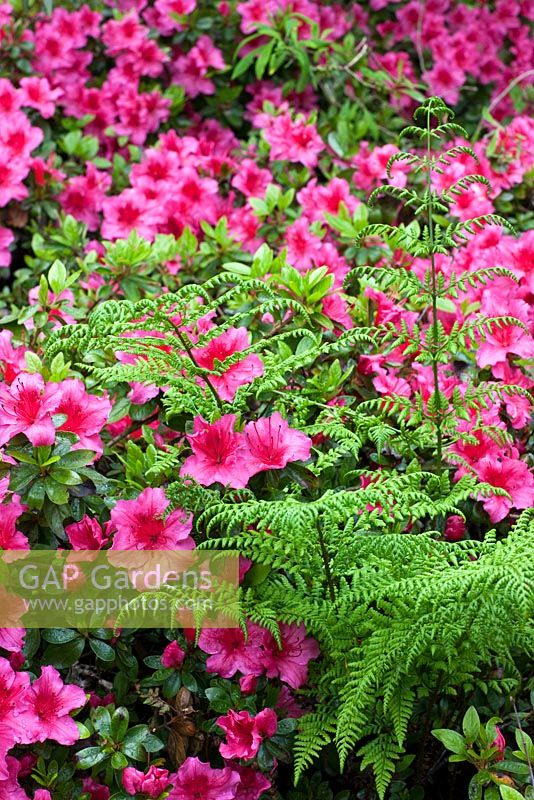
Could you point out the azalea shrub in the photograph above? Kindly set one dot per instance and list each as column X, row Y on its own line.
column 267, row 278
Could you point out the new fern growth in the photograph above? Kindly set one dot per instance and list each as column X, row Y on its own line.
column 426, row 239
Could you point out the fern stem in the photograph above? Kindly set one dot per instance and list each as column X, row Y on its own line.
column 189, row 350
column 326, row 562
column 435, row 329
column 133, row 427
column 524, row 742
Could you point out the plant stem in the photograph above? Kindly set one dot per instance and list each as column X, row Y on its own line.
column 326, row 562
column 435, row 329
column 189, row 350
column 133, row 427
column 524, row 741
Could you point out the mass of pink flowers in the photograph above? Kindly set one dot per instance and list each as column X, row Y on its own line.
column 185, row 125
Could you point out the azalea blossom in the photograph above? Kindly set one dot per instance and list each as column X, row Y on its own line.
column 502, row 341
column 10, row 788
column 95, row 790
column 196, row 780
column 244, row 734
column 220, row 453
column 11, row 509
column 231, row 653
column 252, row 783
column 233, row 340
column 13, row 690
column 87, row 534
column 47, row 706
column 27, row 407
column 37, row 93
column 293, row 140
column 500, row 743
column 509, row 474
column 12, row 638
column 86, row 414
column 273, row 444
column 290, row 661
column 150, row 783
column 142, row 524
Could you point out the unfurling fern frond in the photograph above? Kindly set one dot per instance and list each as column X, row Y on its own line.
column 405, row 195
column 462, row 185
column 454, row 152
column 456, row 233
column 406, row 158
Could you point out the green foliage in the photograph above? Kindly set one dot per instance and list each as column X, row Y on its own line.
column 357, row 554
column 498, row 772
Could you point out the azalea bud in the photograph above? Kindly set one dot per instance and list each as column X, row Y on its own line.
column 454, row 528
column 173, row 656
column 97, row 791
column 16, row 660
column 500, row 743
column 248, row 684
column 26, row 764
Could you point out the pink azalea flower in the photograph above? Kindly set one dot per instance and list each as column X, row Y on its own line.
column 12, row 639
column 511, row 475
column 519, row 409
column 244, row 734
column 150, row 783
column 302, row 245
column 445, row 80
column 252, row 783
column 26, row 407
column 196, row 780
column 497, row 345
column 96, row 791
column 48, row 703
column 290, row 662
column 86, row 414
column 293, row 140
column 36, row 93
column 169, row 9
column 287, row 704
column 12, row 360
column 87, row 534
column 335, row 308
column 230, row 653
column 255, row 12
column 18, row 138
column 220, row 454
column 251, row 179
column 142, row 525
column 371, row 167
column 388, row 383
column 233, row 340
column 126, row 212
column 6, row 239
column 10, row 537
column 13, row 689
column 84, row 195
column 173, row 656
column 248, row 684
column 10, row 789
column 317, row 200
column 12, row 174
column 273, row 444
